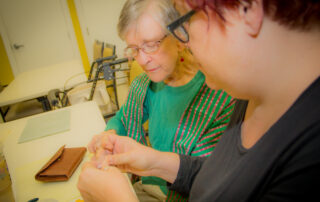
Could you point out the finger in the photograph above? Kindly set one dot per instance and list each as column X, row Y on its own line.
column 92, row 144
column 100, row 157
column 112, row 131
column 95, row 142
column 87, row 165
column 123, row 168
column 105, row 165
column 113, row 169
column 93, row 159
column 108, row 141
column 107, row 152
column 119, row 159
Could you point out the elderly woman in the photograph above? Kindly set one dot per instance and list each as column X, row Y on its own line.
column 265, row 51
column 185, row 116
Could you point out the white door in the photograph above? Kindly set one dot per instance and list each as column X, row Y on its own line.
column 37, row 33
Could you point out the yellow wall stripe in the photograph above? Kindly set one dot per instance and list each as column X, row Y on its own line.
column 6, row 75
column 77, row 30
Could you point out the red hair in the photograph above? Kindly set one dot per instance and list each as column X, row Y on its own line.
column 295, row 14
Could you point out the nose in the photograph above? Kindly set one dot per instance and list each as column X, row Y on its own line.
column 143, row 58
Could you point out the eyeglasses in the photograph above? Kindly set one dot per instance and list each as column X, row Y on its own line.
column 149, row 47
column 177, row 28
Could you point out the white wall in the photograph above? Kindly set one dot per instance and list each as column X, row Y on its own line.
column 98, row 21
column 43, row 29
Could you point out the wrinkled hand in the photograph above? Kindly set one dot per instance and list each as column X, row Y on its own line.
column 96, row 141
column 124, row 153
column 104, row 185
column 95, row 147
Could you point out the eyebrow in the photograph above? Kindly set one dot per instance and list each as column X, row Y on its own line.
column 143, row 42
column 153, row 39
column 148, row 41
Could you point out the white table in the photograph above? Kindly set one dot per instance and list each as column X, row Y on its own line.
column 25, row 159
column 38, row 82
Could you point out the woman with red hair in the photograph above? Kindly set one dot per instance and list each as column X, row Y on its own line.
column 263, row 51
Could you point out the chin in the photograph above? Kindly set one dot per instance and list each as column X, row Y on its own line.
column 155, row 78
column 212, row 85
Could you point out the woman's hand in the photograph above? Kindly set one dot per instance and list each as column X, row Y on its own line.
column 131, row 156
column 126, row 154
column 104, row 185
column 95, row 142
column 95, row 147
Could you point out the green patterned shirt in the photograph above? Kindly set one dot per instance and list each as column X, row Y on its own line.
column 188, row 119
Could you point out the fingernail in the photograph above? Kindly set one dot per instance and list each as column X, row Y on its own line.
column 99, row 166
column 110, row 161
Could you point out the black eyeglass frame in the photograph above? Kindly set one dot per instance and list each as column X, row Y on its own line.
column 178, row 22
column 141, row 48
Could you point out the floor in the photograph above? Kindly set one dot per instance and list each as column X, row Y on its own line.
column 23, row 109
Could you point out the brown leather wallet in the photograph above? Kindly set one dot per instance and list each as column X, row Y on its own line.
column 62, row 165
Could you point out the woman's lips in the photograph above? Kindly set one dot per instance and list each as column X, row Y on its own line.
column 153, row 69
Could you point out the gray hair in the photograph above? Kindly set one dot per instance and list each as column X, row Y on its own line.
column 162, row 11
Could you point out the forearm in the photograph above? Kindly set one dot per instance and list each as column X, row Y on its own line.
column 188, row 170
column 166, row 165
column 116, row 124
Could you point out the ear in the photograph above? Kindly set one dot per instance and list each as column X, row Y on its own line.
column 252, row 15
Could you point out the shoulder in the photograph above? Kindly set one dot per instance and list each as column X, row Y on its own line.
column 217, row 94
column 141, row 81
column 141, row 78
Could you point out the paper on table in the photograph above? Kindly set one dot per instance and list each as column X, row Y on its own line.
column 48, row 124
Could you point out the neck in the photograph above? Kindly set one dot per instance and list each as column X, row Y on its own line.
column 290, row 68
column 181, row 76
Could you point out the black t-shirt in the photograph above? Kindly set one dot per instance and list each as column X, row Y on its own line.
column 284, row 165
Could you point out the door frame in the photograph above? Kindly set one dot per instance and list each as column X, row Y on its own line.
column 88, row 41
column 71, row 34
column 8, row 49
